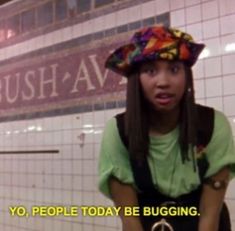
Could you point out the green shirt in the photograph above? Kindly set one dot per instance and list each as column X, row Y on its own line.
column 170, row 176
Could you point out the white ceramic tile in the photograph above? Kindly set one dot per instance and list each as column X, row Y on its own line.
column 38, row 42
column 88, row 135
column 134, row 13
column 48, row 165
column 213, row 87
column 87, row 227
column 98, row 220
column 66, row 151
column 67, row 182
column 228, row 44
column 191, row 2
column 228, row 84
column 226, row 7
column 98, row 134
column 2, row 54
column 76, row 120
column 39, row 195
column 7, row 53
column 48, row 139
column 66, row 33
column 91, row 26
column 67, row 122
column 66, row 167
column 195, row 30
column 11, row 51
column 77, row 167
column 229, row 102
column 122, row 17
column 98, row 119
column 211, row 28
column 97, row 150
column 57, row 166
column 176, row 4
column 227, row 24
column 30, row 45
column 214, row 46
column 213, row 67
column 56, row 36
column 109, row 21
column 57, row 224
column 112, row 222
column 57, row 183
column 87, row 119
column 98, row 24
column 148, row 9
column 199, row 87
column 88, row 151
column 76, row 30
column 88, row 167
column 193, row 14
column 216, row 103
column 67, row 226
column 178, row 18
column 201, row 101
column 210, row 10
column 88, row 198
column 56, row 123
column 75, row 136
column 77, row 149
column 77, row 199
column 109, row 114
column 228, row 64
column 88, row 183
column 162, row 6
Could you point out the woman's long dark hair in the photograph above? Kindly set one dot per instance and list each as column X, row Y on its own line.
column 137, row 125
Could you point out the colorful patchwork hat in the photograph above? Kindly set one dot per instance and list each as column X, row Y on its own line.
column 151, row 43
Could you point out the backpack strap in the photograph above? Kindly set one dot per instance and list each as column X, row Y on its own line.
column 205, row 127
column 205, row 124
column 141, row 173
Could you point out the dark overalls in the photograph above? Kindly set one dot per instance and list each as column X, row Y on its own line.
column 149, row 195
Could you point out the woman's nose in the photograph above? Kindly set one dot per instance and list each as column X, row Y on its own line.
column 162, row 80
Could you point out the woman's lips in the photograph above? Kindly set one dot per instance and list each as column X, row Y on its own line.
column 164, row 98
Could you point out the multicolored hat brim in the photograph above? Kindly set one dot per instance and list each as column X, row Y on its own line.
column 151, row 44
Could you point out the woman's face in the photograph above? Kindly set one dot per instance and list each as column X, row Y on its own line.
column 163, row 84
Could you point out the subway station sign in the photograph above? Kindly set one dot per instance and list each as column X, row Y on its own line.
column 80, row 75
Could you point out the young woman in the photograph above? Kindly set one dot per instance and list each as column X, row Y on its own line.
column 165, row 153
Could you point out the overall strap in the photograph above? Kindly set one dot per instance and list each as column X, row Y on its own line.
column 141, row 172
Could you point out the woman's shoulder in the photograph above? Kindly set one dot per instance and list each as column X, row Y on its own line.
column 221, row 121
column 221, row 149
column 111, row 133
column 222, row 130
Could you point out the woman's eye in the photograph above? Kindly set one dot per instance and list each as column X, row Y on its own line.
column 150, row 71
column 175, row 69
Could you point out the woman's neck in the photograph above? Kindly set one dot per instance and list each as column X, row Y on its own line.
column 162, row 123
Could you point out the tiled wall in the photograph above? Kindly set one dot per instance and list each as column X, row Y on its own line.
column 65, row 179
column 69, row 178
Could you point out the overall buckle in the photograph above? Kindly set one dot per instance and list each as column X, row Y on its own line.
column 162, row 225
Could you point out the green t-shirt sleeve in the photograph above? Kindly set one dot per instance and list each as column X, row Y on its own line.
column 221, row 150
column 113, row 159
